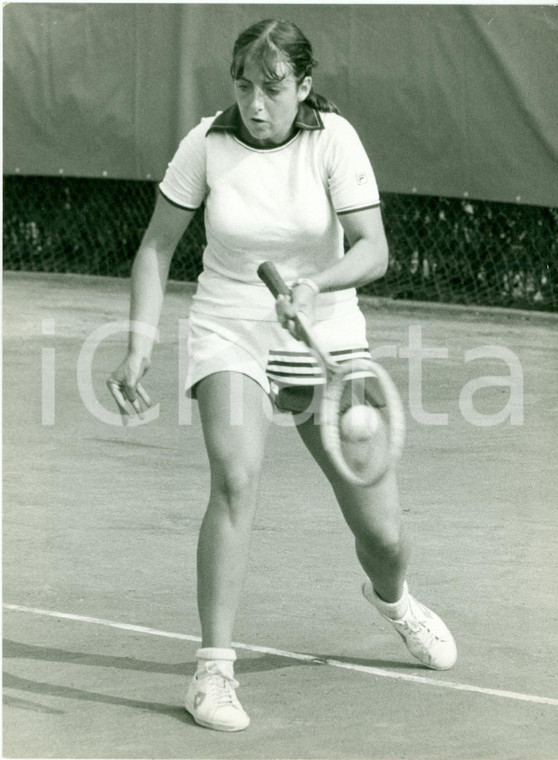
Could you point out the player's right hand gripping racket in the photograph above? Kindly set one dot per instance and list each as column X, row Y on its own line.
column 366, row 463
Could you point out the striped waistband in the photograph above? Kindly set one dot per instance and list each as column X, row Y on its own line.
column 301, row 367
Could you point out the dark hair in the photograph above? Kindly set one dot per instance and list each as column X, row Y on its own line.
column 272, row 40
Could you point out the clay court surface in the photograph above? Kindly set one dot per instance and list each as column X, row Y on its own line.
column 100, row 529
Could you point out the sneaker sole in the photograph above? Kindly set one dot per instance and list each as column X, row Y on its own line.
column 366, row 592
column 419, row 659
column 215, row 726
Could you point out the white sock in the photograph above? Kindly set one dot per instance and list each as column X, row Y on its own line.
column 394, row 610
column 224, row 656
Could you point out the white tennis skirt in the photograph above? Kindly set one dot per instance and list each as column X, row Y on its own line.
column 267, row 352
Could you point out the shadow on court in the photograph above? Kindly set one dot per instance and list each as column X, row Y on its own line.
column 15, row 649
column 101, row 522
column 67, row 692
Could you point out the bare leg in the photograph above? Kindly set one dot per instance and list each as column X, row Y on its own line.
column 374, row 516
column 235, row 451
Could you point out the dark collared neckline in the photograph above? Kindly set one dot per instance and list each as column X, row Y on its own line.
column 307, row 118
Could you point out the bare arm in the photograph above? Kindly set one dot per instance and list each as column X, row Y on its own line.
column 367, row 258
column 365, row 261
column 150, row 272
column 151, row 269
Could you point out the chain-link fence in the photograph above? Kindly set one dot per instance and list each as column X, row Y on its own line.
column 441, row 249
column 471, row 252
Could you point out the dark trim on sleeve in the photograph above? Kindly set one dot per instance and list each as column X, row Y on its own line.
column 359, row 208
column 177, row 205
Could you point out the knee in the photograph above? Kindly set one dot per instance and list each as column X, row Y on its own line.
column 236, row 483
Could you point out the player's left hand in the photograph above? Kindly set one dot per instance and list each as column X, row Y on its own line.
column 301, row 301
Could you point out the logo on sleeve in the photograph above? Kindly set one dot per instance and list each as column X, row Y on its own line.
column 361, row 178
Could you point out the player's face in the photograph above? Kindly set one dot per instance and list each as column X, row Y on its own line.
column 268, row 107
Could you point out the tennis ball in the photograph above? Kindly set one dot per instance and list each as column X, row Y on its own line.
column 359, row 423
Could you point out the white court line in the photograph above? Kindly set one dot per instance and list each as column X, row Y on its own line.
column 381, row 672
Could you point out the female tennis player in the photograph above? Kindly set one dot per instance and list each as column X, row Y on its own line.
column 283, row 177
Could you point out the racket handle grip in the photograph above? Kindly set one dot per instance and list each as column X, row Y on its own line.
column 267, row 272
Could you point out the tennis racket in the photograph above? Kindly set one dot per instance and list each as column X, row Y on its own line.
column 365, row 463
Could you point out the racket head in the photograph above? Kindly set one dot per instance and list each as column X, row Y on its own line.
column 387, row 443
column 366, row 463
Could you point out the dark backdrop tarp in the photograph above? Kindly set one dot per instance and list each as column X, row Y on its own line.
column 449, row 100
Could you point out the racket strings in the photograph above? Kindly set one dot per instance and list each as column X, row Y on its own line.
column 359, row 383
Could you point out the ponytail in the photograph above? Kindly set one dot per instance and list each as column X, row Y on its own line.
column 320, row 103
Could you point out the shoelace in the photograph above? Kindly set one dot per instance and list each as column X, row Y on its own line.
column 222, row 685
column 417, row 625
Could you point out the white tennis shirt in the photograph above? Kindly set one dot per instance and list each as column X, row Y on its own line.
column 279, row 204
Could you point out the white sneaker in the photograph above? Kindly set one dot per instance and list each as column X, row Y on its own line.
column 426, row 635
column 211, row 699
